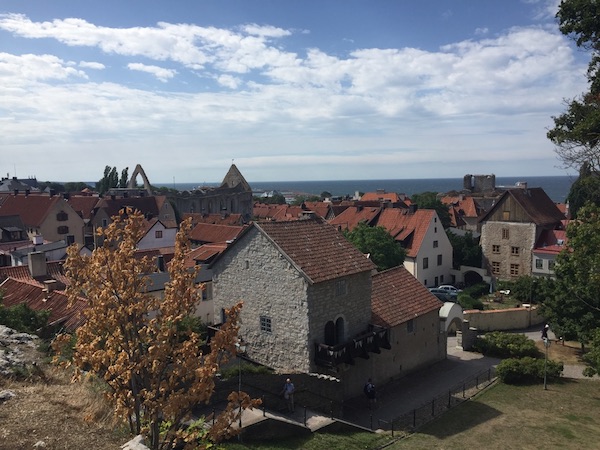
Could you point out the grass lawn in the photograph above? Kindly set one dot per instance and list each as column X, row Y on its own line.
column 566, row 416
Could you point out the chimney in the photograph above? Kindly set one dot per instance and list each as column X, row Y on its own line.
column 52, row 192
column 412, row 208
column 26, row 192
column 37, row 264
column 16, row 191
column 50, row 286
column 66, row 195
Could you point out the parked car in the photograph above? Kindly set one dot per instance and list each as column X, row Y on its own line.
column 450, row 289
column 443, row 295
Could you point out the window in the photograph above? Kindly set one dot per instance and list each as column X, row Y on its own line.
column 514, row 270
column 341, row 288
column 551, row 264
column 505, row 215
column 425, row 263
column 158, row 234
column 435, row 229
column 265, row 324
column 539, row 263
column 514, row 251
column 441, row 279
column 495, row 267
column 435, row 244
column 495, row 249
column 62, row 216
column 247, row 264
column 70, row 239
column 410, row 326
column 104, row 223
column 439, row 260
column 504, row 233
column 63, row 230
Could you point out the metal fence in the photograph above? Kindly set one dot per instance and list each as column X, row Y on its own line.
column 411, row 421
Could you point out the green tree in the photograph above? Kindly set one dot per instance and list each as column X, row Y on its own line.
column 585, row 189
column 76, row 186
column 576, row 132
column 466, row 250
column 123, row 181
column 325, row 194
column 143, row 347
column 305, row 198
column 384, row 250
column 429, row 200
column 574, row 309
column 56, row 187
column 108, row 181
column 592, row 358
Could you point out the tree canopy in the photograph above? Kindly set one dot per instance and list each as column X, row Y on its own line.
column 154, row 365
column 384, row 250
column 574, row 309
column 111, row 179
column 429, row 200
column 466, row 250
column 576, row 132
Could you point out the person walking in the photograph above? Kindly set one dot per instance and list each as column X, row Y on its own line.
column 369, row 390
column 288, row 394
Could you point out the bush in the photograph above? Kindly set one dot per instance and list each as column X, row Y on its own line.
column 527, row 370
column 23, row 319
column 477, row 290
column 246, row 368
column 506, row 345
column 468, row 302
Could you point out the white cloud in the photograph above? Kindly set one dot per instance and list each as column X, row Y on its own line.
column 266, row 106
column 160, row 73
column 92, row 65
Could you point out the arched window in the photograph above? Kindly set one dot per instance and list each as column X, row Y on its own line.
column 339, row 330
column 330, row 334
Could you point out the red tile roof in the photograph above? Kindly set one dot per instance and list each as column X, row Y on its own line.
column 54, row 270
column 217, row 219
column 379, row 196
column 146, row 205
column 551, row 242
column 316, row 248
column 406, row 227
column 83, row 205
column 262, row 211
column 541, row 210
column 33, row 208
column 397, row 297
column 322, row 209
column 61, row 313
column 353, row 215
column 206, row 232
column 204, row 254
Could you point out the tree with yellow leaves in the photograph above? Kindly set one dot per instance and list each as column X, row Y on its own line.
column 154, row 367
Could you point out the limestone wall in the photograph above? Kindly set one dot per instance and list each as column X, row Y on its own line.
column 504, row 319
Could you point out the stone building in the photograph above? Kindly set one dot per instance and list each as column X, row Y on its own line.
column 233, row 196
column 308, row 305
column 511, row 228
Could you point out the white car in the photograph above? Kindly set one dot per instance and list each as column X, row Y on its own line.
column 450, row 289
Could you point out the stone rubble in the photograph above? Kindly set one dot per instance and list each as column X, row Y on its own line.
column 12, row 346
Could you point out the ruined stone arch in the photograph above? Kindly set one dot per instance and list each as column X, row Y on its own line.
column 139, row 171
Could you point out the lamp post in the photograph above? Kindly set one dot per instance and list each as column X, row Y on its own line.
column 546, row 344
column 241, row 349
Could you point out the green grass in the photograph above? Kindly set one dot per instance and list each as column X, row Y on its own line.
column 565, row 416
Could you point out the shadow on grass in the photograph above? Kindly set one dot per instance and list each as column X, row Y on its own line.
column 458, row 420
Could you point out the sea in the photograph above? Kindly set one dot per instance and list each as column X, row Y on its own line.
column 557, row 187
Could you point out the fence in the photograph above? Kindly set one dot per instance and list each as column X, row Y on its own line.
column 438, row 405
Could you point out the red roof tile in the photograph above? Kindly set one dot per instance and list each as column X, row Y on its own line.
column 406, row 227
column 33, row 208
column 17, row 292
column 316, row 248
column 353, row 215
column 204, row 254
column 83, row 205
column 551, row 242
column 397, row 297
column 206, row 232
column 217, row 219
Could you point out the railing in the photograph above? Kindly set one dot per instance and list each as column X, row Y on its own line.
column 370, row 341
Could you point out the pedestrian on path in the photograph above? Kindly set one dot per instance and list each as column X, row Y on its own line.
column 288, row 394
column 369, row 391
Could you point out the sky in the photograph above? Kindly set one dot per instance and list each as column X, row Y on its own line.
column 285, row 90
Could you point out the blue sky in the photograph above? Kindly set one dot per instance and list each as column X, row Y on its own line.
column 287, row 90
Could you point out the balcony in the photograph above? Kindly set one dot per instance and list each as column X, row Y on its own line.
column 371, row 341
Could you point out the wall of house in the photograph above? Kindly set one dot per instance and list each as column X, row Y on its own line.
column 354, row 307
column 547, row 262
column 505, row 319
column 520, row 235
column 435, row 274
column 149, row 240
column 49, row 229
column 255, row 272
column 410, row 351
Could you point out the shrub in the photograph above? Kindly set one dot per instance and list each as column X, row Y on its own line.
column 468, row 302
column 527, row 370
column 477, row 290
column 506, row 345
column 22, row 318
column 246, row 368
